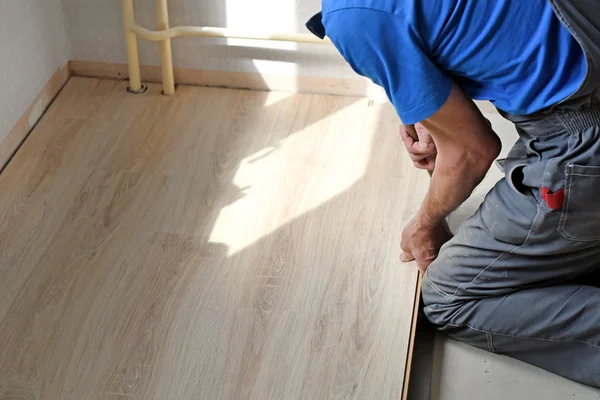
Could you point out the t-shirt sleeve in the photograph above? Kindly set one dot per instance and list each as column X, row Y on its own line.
column 388, row 50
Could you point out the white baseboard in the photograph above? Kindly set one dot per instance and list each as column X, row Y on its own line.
column 34, row 112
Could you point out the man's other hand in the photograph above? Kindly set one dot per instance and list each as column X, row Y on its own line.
column 421, row 242
column 422, row 152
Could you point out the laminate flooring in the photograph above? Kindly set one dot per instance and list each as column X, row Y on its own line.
column 217, row 244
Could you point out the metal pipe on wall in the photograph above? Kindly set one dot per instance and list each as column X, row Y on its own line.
column 164, row 34
column 133, row 59
column 166, row 57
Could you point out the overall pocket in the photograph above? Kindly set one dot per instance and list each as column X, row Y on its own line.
column 508, row 213
column 580, row 217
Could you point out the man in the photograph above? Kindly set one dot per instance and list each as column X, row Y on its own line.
column 518, row 277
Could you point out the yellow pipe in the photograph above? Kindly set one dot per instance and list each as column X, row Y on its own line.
column 171, row 33
column 135, row 79
column 166, row 58
column 164, row 34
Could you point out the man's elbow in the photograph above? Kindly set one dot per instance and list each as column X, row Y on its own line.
column 480, row 158
column 491, row 150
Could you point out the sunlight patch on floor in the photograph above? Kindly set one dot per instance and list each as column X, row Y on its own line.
column 314, row 165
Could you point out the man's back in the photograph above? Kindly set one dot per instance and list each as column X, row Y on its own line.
column 515, row 53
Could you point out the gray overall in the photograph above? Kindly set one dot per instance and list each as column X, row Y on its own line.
column 522, row 276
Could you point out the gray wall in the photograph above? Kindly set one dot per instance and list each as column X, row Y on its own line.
column 96, row 35
column 33, row 45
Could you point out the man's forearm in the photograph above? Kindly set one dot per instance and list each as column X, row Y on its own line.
column 452, row 182
column 466, row 148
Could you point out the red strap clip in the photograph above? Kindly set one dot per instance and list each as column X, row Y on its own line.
column 554, row 201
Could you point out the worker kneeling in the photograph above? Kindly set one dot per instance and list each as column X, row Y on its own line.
column 521, row 276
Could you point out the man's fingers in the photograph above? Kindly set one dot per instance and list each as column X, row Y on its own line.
column 426, row 163
column 418, row 153
column 406, row 257
column 417, row 157
column 423, row 147
column 424, row 135
column 423, row 266
column 422, row 164
column 409, row 142
column 425, row 138
column 411, row 130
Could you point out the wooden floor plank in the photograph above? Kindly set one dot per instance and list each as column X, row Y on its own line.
column 217, row 244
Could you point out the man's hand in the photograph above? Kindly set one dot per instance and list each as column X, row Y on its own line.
column 422, row 152
column 421, row 242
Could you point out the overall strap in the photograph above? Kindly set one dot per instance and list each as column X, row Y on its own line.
column 582, row 18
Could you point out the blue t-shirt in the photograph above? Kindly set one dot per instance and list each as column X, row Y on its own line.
column 515, row 53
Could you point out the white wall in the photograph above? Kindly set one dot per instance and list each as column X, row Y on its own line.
column 39, row 36
column 96, row 35
column 33, row 45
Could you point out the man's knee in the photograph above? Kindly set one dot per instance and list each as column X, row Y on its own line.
column 453, row 315
column 438, row 304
